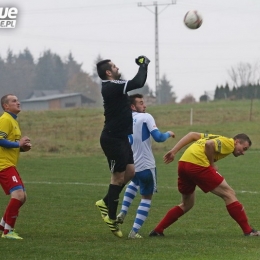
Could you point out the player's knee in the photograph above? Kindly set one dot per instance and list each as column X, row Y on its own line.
column 19, row 195
column 24, row 198
column 186, row 206
column 231, row 194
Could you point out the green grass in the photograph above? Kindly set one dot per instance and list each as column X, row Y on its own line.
column 77, row 131
column 66, row 172
column 60, row 221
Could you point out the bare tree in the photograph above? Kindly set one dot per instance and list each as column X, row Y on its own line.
column 244, row 74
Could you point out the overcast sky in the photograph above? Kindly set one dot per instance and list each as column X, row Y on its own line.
column 194, row 61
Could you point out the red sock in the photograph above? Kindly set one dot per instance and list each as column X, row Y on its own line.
column 171, row 216
column 237, row 212
column 11, row 212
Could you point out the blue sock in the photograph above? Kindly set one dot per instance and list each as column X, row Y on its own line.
column 129, row 195
column 141, row 214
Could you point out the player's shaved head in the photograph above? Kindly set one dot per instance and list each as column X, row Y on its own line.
column 5, row 99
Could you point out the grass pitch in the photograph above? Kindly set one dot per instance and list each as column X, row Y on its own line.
column 60, row 220
column 66, row 173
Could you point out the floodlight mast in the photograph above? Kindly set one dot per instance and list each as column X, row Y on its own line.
column 157, row 76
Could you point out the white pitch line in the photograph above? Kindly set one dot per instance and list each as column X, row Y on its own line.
column 65, row 183
column 101, row 184
column 245, row 191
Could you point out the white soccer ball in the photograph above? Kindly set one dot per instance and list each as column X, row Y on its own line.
column 193, row 19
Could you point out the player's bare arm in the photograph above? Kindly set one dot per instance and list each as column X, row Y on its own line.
column 190, row 137
column 210, row 151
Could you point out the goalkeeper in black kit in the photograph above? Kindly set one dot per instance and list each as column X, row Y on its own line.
column 114, row 136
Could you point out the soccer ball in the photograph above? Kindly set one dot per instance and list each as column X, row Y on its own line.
column 193, row 19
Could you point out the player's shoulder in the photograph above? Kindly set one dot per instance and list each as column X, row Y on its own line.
column 219, row 138
column 106, row 83
column 210, row 136
column 226, row 139
column 144, row 116
column 5, row 116
column 149, row 116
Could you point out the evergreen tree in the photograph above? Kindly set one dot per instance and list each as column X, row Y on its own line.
column 3, row 78
column 227, row 91
column 10, row 82
column 216, row 95
column 50, row 72
column 166, row 94
column 221, row 93
column 234, row 93
column 10, row 59
column 72, row 68
column 25, row 73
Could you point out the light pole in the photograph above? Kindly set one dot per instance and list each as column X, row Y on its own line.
column 157, row 76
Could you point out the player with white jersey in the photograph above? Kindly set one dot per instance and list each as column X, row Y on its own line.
column 144, row 127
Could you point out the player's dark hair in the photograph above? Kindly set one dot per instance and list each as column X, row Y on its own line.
column 243, row 137
column 4, row 100
column 102, row 67
column 133, row 97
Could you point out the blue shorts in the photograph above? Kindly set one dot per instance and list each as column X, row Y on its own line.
column 147, row 180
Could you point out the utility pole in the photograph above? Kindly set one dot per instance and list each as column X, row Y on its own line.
column 157, row 76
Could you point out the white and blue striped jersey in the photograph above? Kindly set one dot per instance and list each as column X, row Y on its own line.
column 143, row 125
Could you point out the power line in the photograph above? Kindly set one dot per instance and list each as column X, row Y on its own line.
column 157, row 77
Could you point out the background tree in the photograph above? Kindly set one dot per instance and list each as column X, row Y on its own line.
column 3, row 78
column 25, row 72
column 50, row 72
column 17, row 74
column 204, row 98
column 188, row 99
column 221, row 92
column 244, row 74
column 233, row 93
column 82, row 83
column 227, row 91
column 9, row 82
column 166, row 94
column 71, row 67
column 20, row 74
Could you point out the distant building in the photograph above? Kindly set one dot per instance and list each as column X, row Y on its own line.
column 56, row 101
column 42, row 93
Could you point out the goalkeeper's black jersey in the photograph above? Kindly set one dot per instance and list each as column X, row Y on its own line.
column 117, row 111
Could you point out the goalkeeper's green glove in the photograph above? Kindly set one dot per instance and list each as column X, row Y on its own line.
column 142, row 61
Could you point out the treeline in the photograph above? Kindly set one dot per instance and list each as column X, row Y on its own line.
column 236, row 93
column 251, row 91
column 22, row 73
